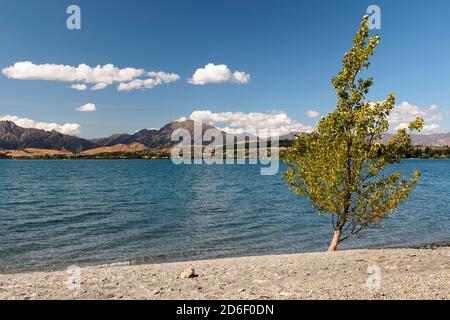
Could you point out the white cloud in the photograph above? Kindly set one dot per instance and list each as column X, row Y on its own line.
column 164, row 77
column 212, row 73
column 182, row 119
column 88, row 107
column 431, row 127
column 405, row 112
column 426, row 127
column 99, row 77
column 433, row 107
column 312, row 114
column 79, row 86
column 67, row 128
column 99, row 86
column 240, row 122
column 155, row 79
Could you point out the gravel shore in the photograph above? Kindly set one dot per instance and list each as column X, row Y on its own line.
column 351, row 274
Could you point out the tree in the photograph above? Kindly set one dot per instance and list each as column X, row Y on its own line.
column 340, row 165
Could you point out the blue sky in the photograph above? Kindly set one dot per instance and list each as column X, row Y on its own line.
column 290, row 50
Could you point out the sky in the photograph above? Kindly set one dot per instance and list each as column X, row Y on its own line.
column 236, row 64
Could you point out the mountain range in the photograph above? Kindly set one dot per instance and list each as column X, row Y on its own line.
column 13, row 137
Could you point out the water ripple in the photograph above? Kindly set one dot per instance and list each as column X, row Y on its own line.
column 57, row 213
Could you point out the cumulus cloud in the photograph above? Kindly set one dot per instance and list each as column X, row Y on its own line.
column 431, row 127
column 312, row 114
column 99, row 86
column 79, row 86
column 240, row 122
column 67, row 128
column 182, row 119
column 98, row 77
column 88, row 107
column 406, row 112
column 155, row 79
column 212, row 73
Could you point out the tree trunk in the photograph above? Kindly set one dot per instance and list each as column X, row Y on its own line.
column 334, row 243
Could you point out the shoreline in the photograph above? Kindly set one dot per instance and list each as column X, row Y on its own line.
column 404, row 273
column 145, row 260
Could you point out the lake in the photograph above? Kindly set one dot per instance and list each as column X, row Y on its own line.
column 58, row 213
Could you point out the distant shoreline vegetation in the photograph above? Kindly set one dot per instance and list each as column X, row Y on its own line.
column 418, row 152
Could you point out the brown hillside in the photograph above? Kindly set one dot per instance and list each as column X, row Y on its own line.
column 34, row 152
column 134, row 147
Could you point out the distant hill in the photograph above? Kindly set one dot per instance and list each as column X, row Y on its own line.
column 426, row 140
column 152, row 138
column 34, row 152
column 13, row 137
column 124, row 138
column 112, row 140
column 289, row 136
column 133, row 147
column 432, row 140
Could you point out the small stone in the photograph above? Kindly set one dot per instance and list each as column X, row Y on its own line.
column 188, row 273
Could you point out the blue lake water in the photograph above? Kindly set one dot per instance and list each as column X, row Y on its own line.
column 57, row 213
